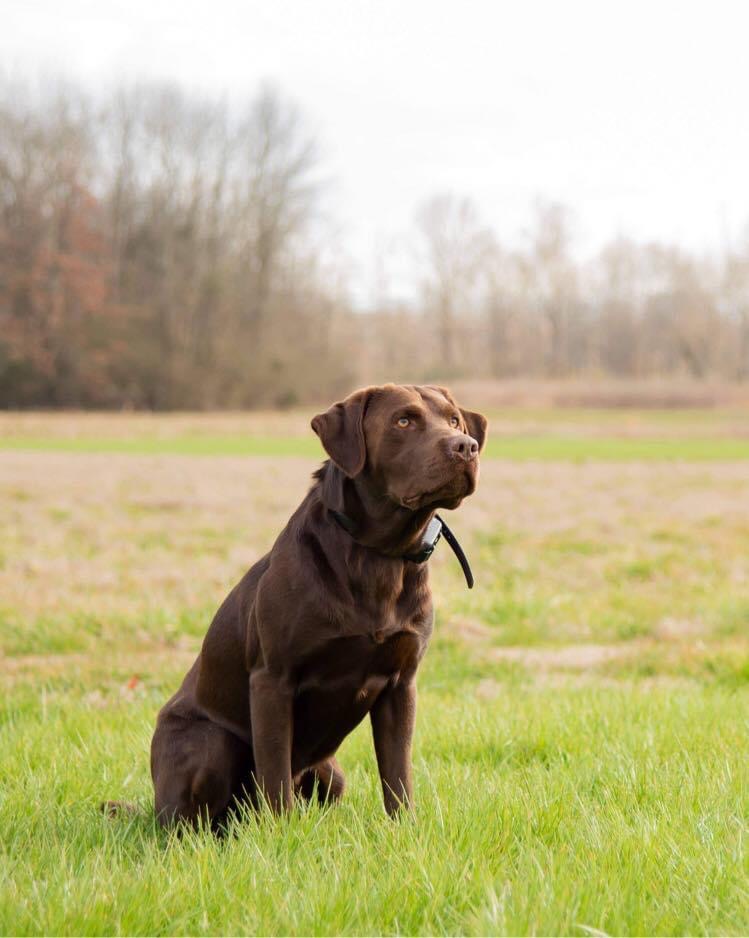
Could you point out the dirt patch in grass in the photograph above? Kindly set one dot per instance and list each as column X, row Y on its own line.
column 569, row 657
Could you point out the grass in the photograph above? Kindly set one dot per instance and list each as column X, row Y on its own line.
column 580, row 755
column 526, row 434
column 574, row 812
column 522, row 448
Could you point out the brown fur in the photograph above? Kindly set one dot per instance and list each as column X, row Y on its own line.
column 329, row 626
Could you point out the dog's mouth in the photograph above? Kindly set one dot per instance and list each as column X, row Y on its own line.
column 446, row 494
column 419, row 501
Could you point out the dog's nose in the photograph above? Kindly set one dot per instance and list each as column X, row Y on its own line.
column 464, row 447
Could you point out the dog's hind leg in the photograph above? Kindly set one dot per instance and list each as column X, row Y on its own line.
column 199, row 771
column 114, row 809
column 326, row 778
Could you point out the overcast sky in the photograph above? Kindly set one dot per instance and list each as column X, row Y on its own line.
column 634, row 114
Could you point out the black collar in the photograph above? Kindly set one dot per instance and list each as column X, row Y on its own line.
column 434, row 531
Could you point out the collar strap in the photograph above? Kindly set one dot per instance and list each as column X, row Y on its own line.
column 434, row 531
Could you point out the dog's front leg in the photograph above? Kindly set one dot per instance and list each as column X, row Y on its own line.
column 271, row 708
column 393, row 717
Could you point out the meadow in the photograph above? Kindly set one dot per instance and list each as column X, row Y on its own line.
column 581, row 748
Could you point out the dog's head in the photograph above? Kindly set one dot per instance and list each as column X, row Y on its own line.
column 412, row 443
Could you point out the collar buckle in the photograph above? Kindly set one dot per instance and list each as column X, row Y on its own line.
column 428, row 542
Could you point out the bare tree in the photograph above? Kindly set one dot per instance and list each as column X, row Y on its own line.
column 457, row 248
column 552, row 282
column 734, row 302
column 615, row 280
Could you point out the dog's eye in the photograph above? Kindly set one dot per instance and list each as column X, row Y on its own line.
column 403, row 421
column 454, row 422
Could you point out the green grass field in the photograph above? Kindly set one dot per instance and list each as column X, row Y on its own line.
column 514, row 448
column 581, row 751
column 547, row 435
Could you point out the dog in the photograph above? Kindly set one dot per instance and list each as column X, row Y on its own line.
column 329, row 626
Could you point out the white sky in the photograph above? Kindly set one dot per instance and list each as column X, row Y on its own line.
column 634, row 114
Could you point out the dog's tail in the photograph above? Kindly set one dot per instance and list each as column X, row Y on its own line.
column 114, row 809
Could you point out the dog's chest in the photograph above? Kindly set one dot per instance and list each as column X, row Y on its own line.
column 356, row 666
column 340, row 679
column 386, row 602
column 340, row 685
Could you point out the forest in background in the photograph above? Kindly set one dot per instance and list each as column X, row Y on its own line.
column 164, row 251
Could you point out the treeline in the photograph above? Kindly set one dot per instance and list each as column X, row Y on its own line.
column 633, row 311
column 159, row 251
column 162, row 251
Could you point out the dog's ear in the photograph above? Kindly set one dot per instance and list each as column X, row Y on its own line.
column 477, row 426
column 341, row 432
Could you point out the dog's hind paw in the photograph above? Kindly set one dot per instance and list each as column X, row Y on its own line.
column 115, row 808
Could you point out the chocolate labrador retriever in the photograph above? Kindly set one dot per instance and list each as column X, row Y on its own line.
column 330, row 625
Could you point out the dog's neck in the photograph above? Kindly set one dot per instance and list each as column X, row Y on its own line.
column 372, row 519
